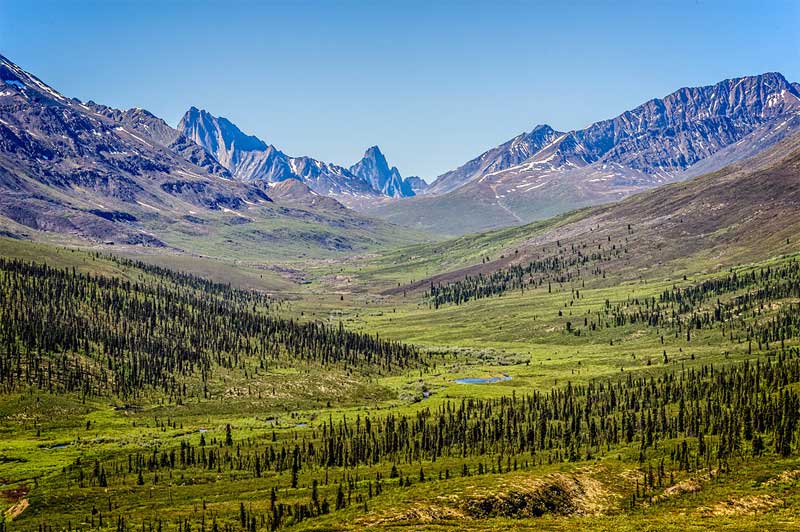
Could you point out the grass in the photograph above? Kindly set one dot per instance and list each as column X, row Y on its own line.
column 284, row 235
column 521, row 335
column 396, row 267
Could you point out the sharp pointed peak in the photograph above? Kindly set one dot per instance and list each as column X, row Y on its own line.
column 229, row 131
column 198, row 111
column 373, row 151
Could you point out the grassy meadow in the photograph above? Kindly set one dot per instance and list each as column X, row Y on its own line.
column 53, row 444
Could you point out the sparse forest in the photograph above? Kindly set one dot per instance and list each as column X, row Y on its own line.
column 155, row 342
column 230, row 318
column 63, row 331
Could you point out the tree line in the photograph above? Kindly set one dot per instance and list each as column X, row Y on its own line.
column 65, row 331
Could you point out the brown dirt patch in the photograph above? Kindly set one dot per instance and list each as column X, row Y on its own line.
column 575, row 494
column 18, row 497
column 690, row 485
column 752, row 504
column 15, row 511
column 522, row 496
column 15, row 494
column 787, row 477
column 418, row 512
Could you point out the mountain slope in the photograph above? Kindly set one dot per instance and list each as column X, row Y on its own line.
column 508, row 154
column 250, row 159
column 296, row 193
column 746, row 212
column 89, row 173
column 66, row 168
column 416, row 184
column 156, row 129
column 542, row 173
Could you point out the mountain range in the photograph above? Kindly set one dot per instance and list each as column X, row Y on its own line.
column 88, row 172
column 545, row 172
column 102, row 174
column 375, row 170
column 250, row 159
column 745, row 212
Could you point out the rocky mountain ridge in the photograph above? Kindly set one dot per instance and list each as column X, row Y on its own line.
column 388, row 181
column 85, row 172
column 250, row 159
column 546, row 172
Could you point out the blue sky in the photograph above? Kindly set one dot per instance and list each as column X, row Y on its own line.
column 433, row 84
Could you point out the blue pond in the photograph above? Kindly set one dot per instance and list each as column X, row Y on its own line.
column 487, row 380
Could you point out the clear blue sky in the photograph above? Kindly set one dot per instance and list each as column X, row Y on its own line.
column 433, row 85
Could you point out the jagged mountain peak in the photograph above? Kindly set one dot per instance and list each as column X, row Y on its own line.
column 543, row 172
column 251, row 159
column 688, row 125
column 374, row 151
column 387, row 180
column 101, row 173
column 528, row 143
column 218, row 132
column 508, row 154
column 541, row 129
column 140, row 120
column 662, row 136
column 374, row 156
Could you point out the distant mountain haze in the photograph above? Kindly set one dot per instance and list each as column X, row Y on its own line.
column 388, row 181
column 508, row 154
column 416, row 184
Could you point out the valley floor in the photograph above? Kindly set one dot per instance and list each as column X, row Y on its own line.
column 578, row 427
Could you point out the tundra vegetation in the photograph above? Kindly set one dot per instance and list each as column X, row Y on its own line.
column 135, row 397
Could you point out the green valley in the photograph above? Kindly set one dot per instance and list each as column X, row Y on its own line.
column 538, row 377
column 247, row 316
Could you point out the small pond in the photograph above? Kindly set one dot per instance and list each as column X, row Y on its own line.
column 483, row 380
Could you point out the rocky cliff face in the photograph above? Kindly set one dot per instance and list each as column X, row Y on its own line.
column 508, row 154
column 93, row 173
column 97, row 172
column 416, row 184
column 157, row 130
column 662, row 137
column 388, row 181
column 545, row 172
column 691, row 124
column 250, row 159
column 226, row 142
